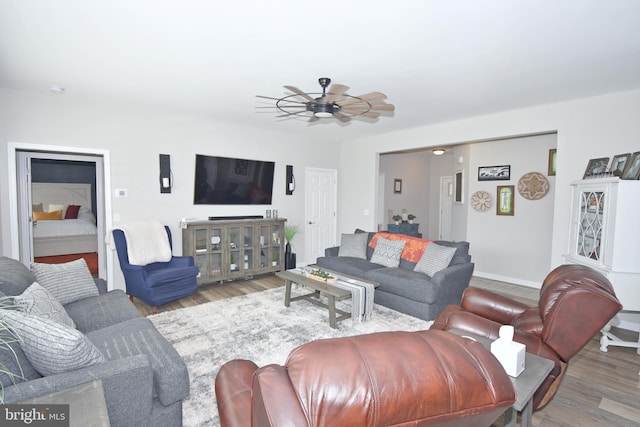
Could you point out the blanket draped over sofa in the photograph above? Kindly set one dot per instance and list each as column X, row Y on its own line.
column 405, row 287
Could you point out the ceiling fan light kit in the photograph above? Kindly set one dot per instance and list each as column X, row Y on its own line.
column 332, row 103
column 438, row 151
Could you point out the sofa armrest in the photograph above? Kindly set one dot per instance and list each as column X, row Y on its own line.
column 275, row 402
column 333, row 251
column 182, row 261
column 127, row 384
column 233, row 392
column 491, row 306
column 451, row 283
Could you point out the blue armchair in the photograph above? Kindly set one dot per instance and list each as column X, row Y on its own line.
column 159, row 282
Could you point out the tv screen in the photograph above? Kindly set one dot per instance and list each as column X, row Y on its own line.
column 228, row 181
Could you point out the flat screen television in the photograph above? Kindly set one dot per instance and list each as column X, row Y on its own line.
column 229, row 181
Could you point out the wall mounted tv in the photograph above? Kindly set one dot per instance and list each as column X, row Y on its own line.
column 228, row 181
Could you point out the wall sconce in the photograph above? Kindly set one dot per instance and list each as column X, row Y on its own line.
column 438, row 151
column 165, row 174
column 291, row 181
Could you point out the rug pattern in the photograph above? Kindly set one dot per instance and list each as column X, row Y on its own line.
column 257, row 327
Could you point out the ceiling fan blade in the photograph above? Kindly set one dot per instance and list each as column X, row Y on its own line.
column 335, row 92
column 369, row 114
column 373, row 96
column 300, row 93
column 383, row 107
column 341, row 117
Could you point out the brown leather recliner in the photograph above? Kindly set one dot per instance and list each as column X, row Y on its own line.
column 575, row 303
column 425, row 378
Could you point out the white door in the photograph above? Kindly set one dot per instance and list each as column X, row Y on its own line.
column 320, row 211
column 446, row 203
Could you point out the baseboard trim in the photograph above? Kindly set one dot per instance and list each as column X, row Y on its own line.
column 507, row 279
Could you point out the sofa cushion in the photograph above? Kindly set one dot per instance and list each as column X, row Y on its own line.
column 98, row 312
column 15, row 277
column 462, row 251
column 14, row 360
column 353, row 245
column 67, row 282
column 409, row 284
column 435, row 258
column 139, row 336
column 51, row 347
column 347, row 265
column 37, row 301
column 388, row 252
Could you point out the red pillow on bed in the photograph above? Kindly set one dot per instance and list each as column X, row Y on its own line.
column 72, row 212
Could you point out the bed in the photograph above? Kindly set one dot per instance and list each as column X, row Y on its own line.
column 65, row 236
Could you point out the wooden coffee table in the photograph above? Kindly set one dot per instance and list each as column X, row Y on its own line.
column 320, row 288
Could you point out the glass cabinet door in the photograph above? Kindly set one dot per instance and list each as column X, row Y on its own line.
column 247, row 250
column 235, row 245
column 590, row 224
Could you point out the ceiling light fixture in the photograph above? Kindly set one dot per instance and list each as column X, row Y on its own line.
column 332, row 103
column 58, row 90
column 438, row 151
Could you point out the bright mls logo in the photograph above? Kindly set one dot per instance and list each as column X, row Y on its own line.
column 34, row 415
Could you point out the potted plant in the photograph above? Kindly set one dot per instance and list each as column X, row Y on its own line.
column 290, row 232
column 397, row 219
column 232, row 240
column 274, row 259
column 232, row 261
column 411, row 218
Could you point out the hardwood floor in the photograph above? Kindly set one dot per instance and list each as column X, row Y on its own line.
column 598, row 389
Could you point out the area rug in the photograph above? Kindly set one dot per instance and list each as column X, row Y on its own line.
column 257, row 327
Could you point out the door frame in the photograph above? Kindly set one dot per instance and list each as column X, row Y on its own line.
column 14, row 147
column 444, row 197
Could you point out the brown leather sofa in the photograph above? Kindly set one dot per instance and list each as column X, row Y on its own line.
column 420, row 378
column 575, row 303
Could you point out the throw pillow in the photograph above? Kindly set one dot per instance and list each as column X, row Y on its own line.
column 353, row 245
column 67, row 282
column 52, row 348
column 72, row 212
column 15, row 277
column 37, row 301
column 37, row 207
column 41, row 216
column 58, row 207
column 388, row 252
column 434, row 259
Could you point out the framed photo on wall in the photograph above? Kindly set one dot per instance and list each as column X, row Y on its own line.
column 494, row 173
column 551, row 169
column 504, row 200
column 397, row 186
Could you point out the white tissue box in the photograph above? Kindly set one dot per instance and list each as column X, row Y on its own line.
column 510, row 354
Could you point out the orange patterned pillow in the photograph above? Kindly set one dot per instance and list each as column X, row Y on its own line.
column 47, row 215
column 413, row 249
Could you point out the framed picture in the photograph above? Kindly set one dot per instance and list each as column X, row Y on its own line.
column 397, row 186
column 632, row 169
column 494, row 173
column 504, row 200
column 618, row 164
column 551, row 168
column 596, row 167
column 458, row 195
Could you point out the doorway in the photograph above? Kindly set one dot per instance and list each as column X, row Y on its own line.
column 20, row 182
column 320, row 211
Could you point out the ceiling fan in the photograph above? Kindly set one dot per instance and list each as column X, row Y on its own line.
column 333, row 103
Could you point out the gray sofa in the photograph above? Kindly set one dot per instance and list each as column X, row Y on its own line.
column 144, row 378
column 403, row 289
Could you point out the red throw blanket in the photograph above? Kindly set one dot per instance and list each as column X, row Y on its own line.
column 413, row 248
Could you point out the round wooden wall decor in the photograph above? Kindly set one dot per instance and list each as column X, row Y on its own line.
column 481, row 201
column 533, row 186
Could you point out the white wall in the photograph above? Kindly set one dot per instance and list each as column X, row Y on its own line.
column 413, row 169
column 586, row 128
column 519, row 245
column 134, row 139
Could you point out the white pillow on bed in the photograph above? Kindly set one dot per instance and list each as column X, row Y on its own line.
column 86, row 215
column 58, row 207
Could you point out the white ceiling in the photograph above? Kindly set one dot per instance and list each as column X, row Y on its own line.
column 436, row 60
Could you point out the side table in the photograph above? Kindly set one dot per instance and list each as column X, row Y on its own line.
column 536, row 369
